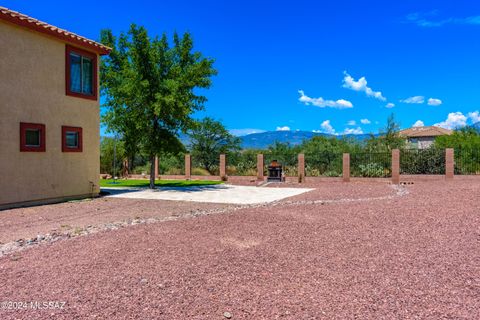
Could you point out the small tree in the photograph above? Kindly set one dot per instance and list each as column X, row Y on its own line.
column 389, row 137
column 150, row 89
column 209, row 139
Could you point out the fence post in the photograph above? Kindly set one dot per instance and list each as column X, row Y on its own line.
column 156, row 167
column 188, row 166
column 223, row 168
column 449, row 163
column 301, row 168
column 395, row 166
column 346, row 167
column 260, row 167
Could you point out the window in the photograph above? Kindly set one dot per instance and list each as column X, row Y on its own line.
column 32, row 137
column 71, row 139
column 81, row 73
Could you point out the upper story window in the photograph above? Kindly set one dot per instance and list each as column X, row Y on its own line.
column 81, row 73
column 32, row 137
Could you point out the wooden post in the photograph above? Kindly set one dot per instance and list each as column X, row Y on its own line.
column 346, row 167
column 449, row 163
column 395, row 166
column 301, row 168
column 188, row 166
column 223, row 168
column 260, row 167
column 156, row 167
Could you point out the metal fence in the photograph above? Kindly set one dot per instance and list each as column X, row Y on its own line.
column 324, row 164
column 467, row 161
column 422, row 161
column 242, row 164
column 199, row 167
column 289, row 163
column 371, row 164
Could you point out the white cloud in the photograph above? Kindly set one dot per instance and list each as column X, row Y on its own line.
column 352, row 123
column 365, row 121
column 474, row 116
column 434, row 102
column 419, row 123
column 415, row 100
column 244, row 132
column 430, row 20
column 361, row 86
column 390, row 105
column 322, row 103
column 357, row 130
column 327, row 127
column 284, row 128
column 454, row 120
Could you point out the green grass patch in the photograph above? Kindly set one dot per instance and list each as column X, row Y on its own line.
column 108, row 183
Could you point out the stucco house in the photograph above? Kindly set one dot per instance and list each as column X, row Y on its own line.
column 49, row 112
column 423, row 137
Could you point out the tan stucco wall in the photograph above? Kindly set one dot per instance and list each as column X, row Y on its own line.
column 32, row 89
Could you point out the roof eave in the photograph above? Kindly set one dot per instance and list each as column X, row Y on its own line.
column 57, row 33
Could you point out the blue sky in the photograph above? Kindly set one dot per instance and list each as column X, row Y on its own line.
column 312, row 65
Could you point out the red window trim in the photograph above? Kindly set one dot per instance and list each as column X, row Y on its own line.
column 69, row 49
column 23, row 140
column 64, row 139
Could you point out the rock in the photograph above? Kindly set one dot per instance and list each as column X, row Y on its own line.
column 227, row 315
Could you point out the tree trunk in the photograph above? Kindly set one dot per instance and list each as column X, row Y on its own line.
column 152, row 172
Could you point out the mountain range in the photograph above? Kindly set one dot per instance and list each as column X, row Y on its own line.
column 264, row 139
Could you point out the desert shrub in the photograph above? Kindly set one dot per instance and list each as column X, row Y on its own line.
column 372, row 170
column 200, row 172
column 145, row 169
column 422, row 161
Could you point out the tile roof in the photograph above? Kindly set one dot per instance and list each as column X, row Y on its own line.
column 28, row 22
column 431, row 131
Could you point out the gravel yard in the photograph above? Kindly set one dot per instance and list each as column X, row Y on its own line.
column 341, row 251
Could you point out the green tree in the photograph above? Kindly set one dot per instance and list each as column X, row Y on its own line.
column 388, row 138
column 208, row 139
column 112, row 153
column 150, row 89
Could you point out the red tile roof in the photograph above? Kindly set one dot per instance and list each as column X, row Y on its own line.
column 43, row 27
column 425, row 132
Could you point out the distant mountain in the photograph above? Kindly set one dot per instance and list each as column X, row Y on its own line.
column 476, row 126
column 264, row 139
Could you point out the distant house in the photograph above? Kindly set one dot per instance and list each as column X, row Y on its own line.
column 423, row 137
column 49, row 112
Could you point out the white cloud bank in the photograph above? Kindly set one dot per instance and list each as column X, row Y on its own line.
column 434, row 102
column 361, row 86
column 244, row 132
column 357, row 130
column 284, row 128
column 474, row 116
column 322, row 103
column 327, row 127
column 458, row 119
column 454, row 120
column 431, row 20
column 418, row 123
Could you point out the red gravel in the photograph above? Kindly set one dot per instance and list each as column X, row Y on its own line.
column 416, row 256
column 29, row 222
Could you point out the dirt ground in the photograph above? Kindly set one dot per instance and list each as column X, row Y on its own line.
column 342, row 251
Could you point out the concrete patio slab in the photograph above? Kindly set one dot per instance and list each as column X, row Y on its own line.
column 213, row 194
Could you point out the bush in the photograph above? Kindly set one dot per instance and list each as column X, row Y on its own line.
column 371, row 170
column 200, row 172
